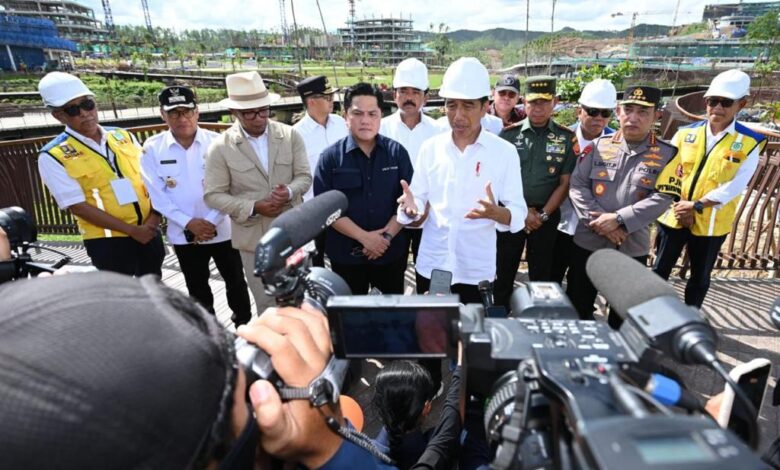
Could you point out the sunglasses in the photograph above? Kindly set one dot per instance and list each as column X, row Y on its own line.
column 508, row 93
column 75, row 109
column 250, row 114
column 593, row 112
column 725, row 102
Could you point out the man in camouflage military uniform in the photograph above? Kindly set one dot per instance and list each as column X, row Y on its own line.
column 620, row 185
column 548, row 153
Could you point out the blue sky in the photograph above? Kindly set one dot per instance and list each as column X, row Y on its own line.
column 458, row 14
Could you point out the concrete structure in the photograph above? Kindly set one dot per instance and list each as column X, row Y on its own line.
column 723, row 50
column 715, row 12
column 74, row 21
column 383, row 40
column 31, row 43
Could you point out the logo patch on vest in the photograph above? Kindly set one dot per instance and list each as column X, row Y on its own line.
column 736, row 146
column 690, row 138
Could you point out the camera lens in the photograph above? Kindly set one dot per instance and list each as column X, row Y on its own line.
column 322, row 284
column 18, row 226
column 507, row 390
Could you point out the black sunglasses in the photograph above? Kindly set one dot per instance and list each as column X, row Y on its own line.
column 593, row 112
column 725, row 102
column 75, row 109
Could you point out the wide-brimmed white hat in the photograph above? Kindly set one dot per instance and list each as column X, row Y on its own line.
column 57, row 88
column 465, row 79
column 246, row 90
column 733, row 84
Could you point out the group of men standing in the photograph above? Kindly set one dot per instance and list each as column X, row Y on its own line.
column 468, row 194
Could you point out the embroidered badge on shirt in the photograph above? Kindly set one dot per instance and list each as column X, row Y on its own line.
column 736, row 146
column 555, row 148
column 690, row 138
column 651, row 163
column 551, row 170
column 679, row 170
column 654, row 156
column 600, row 189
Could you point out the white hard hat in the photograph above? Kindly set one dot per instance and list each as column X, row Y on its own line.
column 57, row 88
column 733, row 84
column 600, row 94
column 411, row 73
column 465, row 79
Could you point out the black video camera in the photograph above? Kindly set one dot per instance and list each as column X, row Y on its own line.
column 22, row 234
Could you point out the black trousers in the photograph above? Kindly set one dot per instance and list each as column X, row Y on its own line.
column 415, row 237
column 194, row 262
column 564, row 249
column 509, row 249
column 581, row 290
column 702, row 252
column 127, row 256
column 388, row 278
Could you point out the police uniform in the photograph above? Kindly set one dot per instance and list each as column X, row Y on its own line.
column 545, row 155
column 638, row 184
column 714, row 168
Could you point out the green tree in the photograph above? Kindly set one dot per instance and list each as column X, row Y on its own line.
column 765, row 28
column 441, row 43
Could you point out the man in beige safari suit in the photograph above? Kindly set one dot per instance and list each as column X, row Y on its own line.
column 255, row 171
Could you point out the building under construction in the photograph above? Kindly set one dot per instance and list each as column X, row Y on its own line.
column 385, row 41
column 73, row 20
column 717, row 11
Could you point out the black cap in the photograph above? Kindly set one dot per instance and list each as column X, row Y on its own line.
column 642, row 95
column 508, row 82
column 314, row 86
column 177, row 96
column 540, row 88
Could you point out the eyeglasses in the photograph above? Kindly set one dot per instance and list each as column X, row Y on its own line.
column 179, row 113
column 593, row 112
column 75, row 109
column 508, row 93
column 250, row 114
column 713, row 102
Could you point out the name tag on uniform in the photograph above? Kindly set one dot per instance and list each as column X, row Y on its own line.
column 555, row 148
column 124, row 192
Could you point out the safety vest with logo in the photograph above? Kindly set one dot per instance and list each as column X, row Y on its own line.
column 702, row 172
column 94, row 174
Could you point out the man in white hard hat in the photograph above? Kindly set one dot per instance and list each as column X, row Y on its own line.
column 409, row 125
column 320, row 129
column 597, row 103
column 94, row 172
column 463, row 175
column 719, row 156
column 255, row 170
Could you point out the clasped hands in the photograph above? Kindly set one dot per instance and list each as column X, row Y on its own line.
column 273, row 204
column 606, row 225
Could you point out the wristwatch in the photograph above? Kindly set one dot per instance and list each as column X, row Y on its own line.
column 387, row 236
column 544, row 216
column 619, row 220
column 698, row 206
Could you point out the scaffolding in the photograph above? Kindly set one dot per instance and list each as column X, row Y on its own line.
column 384, row 40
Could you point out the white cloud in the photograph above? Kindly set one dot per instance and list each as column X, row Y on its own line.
column 457, row 14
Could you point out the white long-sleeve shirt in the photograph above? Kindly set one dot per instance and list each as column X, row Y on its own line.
column 731, row 189
column 317, row 138
column 452, row 182
column 412, row 139
column 173, row 176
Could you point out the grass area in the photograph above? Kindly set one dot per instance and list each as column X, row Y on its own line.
column 48, row 237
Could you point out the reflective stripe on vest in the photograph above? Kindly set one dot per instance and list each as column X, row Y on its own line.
column 94, row 174
column 703, row 172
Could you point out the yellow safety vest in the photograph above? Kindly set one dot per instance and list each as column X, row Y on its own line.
column 702, row 172
column 94, row 174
